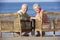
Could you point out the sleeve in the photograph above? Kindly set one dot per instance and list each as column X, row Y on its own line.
column 18, row 11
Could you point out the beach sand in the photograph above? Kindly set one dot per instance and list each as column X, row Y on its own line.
column 32, row 38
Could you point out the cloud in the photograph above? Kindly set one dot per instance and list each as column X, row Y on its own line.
column 29, row 0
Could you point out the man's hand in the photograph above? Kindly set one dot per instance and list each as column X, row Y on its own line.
column 33, row 18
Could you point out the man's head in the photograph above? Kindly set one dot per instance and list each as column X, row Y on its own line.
column 24, row 8
column 36, row 7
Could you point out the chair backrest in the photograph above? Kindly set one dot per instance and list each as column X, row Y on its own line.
column 10, row 22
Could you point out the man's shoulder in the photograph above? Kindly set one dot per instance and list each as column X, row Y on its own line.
column 19, row 11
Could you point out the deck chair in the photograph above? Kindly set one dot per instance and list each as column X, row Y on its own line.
column 42, row 25
column 10, row 23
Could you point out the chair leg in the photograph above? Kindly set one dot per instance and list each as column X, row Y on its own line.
column 20, row 33
column 40, row 33
column 54, row 34
column 0, row 34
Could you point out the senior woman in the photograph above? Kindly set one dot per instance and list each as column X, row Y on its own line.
column 40, row 17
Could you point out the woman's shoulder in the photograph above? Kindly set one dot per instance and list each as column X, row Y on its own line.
column 42, row 10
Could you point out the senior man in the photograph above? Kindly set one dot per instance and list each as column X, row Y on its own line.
column 24, row 15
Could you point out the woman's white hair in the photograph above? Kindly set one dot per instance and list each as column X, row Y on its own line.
column 24, row 5
column 36, row 5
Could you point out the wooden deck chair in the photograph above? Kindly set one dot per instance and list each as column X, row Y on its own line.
column 42, row 25
column 10, row 23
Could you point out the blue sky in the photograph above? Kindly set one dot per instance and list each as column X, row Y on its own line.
column 29, row 0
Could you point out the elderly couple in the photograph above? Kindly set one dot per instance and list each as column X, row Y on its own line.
column 36, row 7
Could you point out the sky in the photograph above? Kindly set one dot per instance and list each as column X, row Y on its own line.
column 29, row 0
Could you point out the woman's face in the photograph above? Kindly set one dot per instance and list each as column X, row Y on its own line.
column 36, row 9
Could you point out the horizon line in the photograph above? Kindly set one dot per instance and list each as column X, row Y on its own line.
column 10, row 2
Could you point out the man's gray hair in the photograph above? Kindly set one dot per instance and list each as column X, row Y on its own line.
column 24, row 5
column 36, row 5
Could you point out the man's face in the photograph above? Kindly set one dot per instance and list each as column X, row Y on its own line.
column 25, row 8
column 36, row 9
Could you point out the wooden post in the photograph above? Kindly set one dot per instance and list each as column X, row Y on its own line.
column 19, row 24
column 0, row 30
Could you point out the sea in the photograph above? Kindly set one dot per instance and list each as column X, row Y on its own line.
column 14, row 7
column 11, row 7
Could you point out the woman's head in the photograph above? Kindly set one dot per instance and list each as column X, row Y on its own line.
column 24, row 8
column 36, row 7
